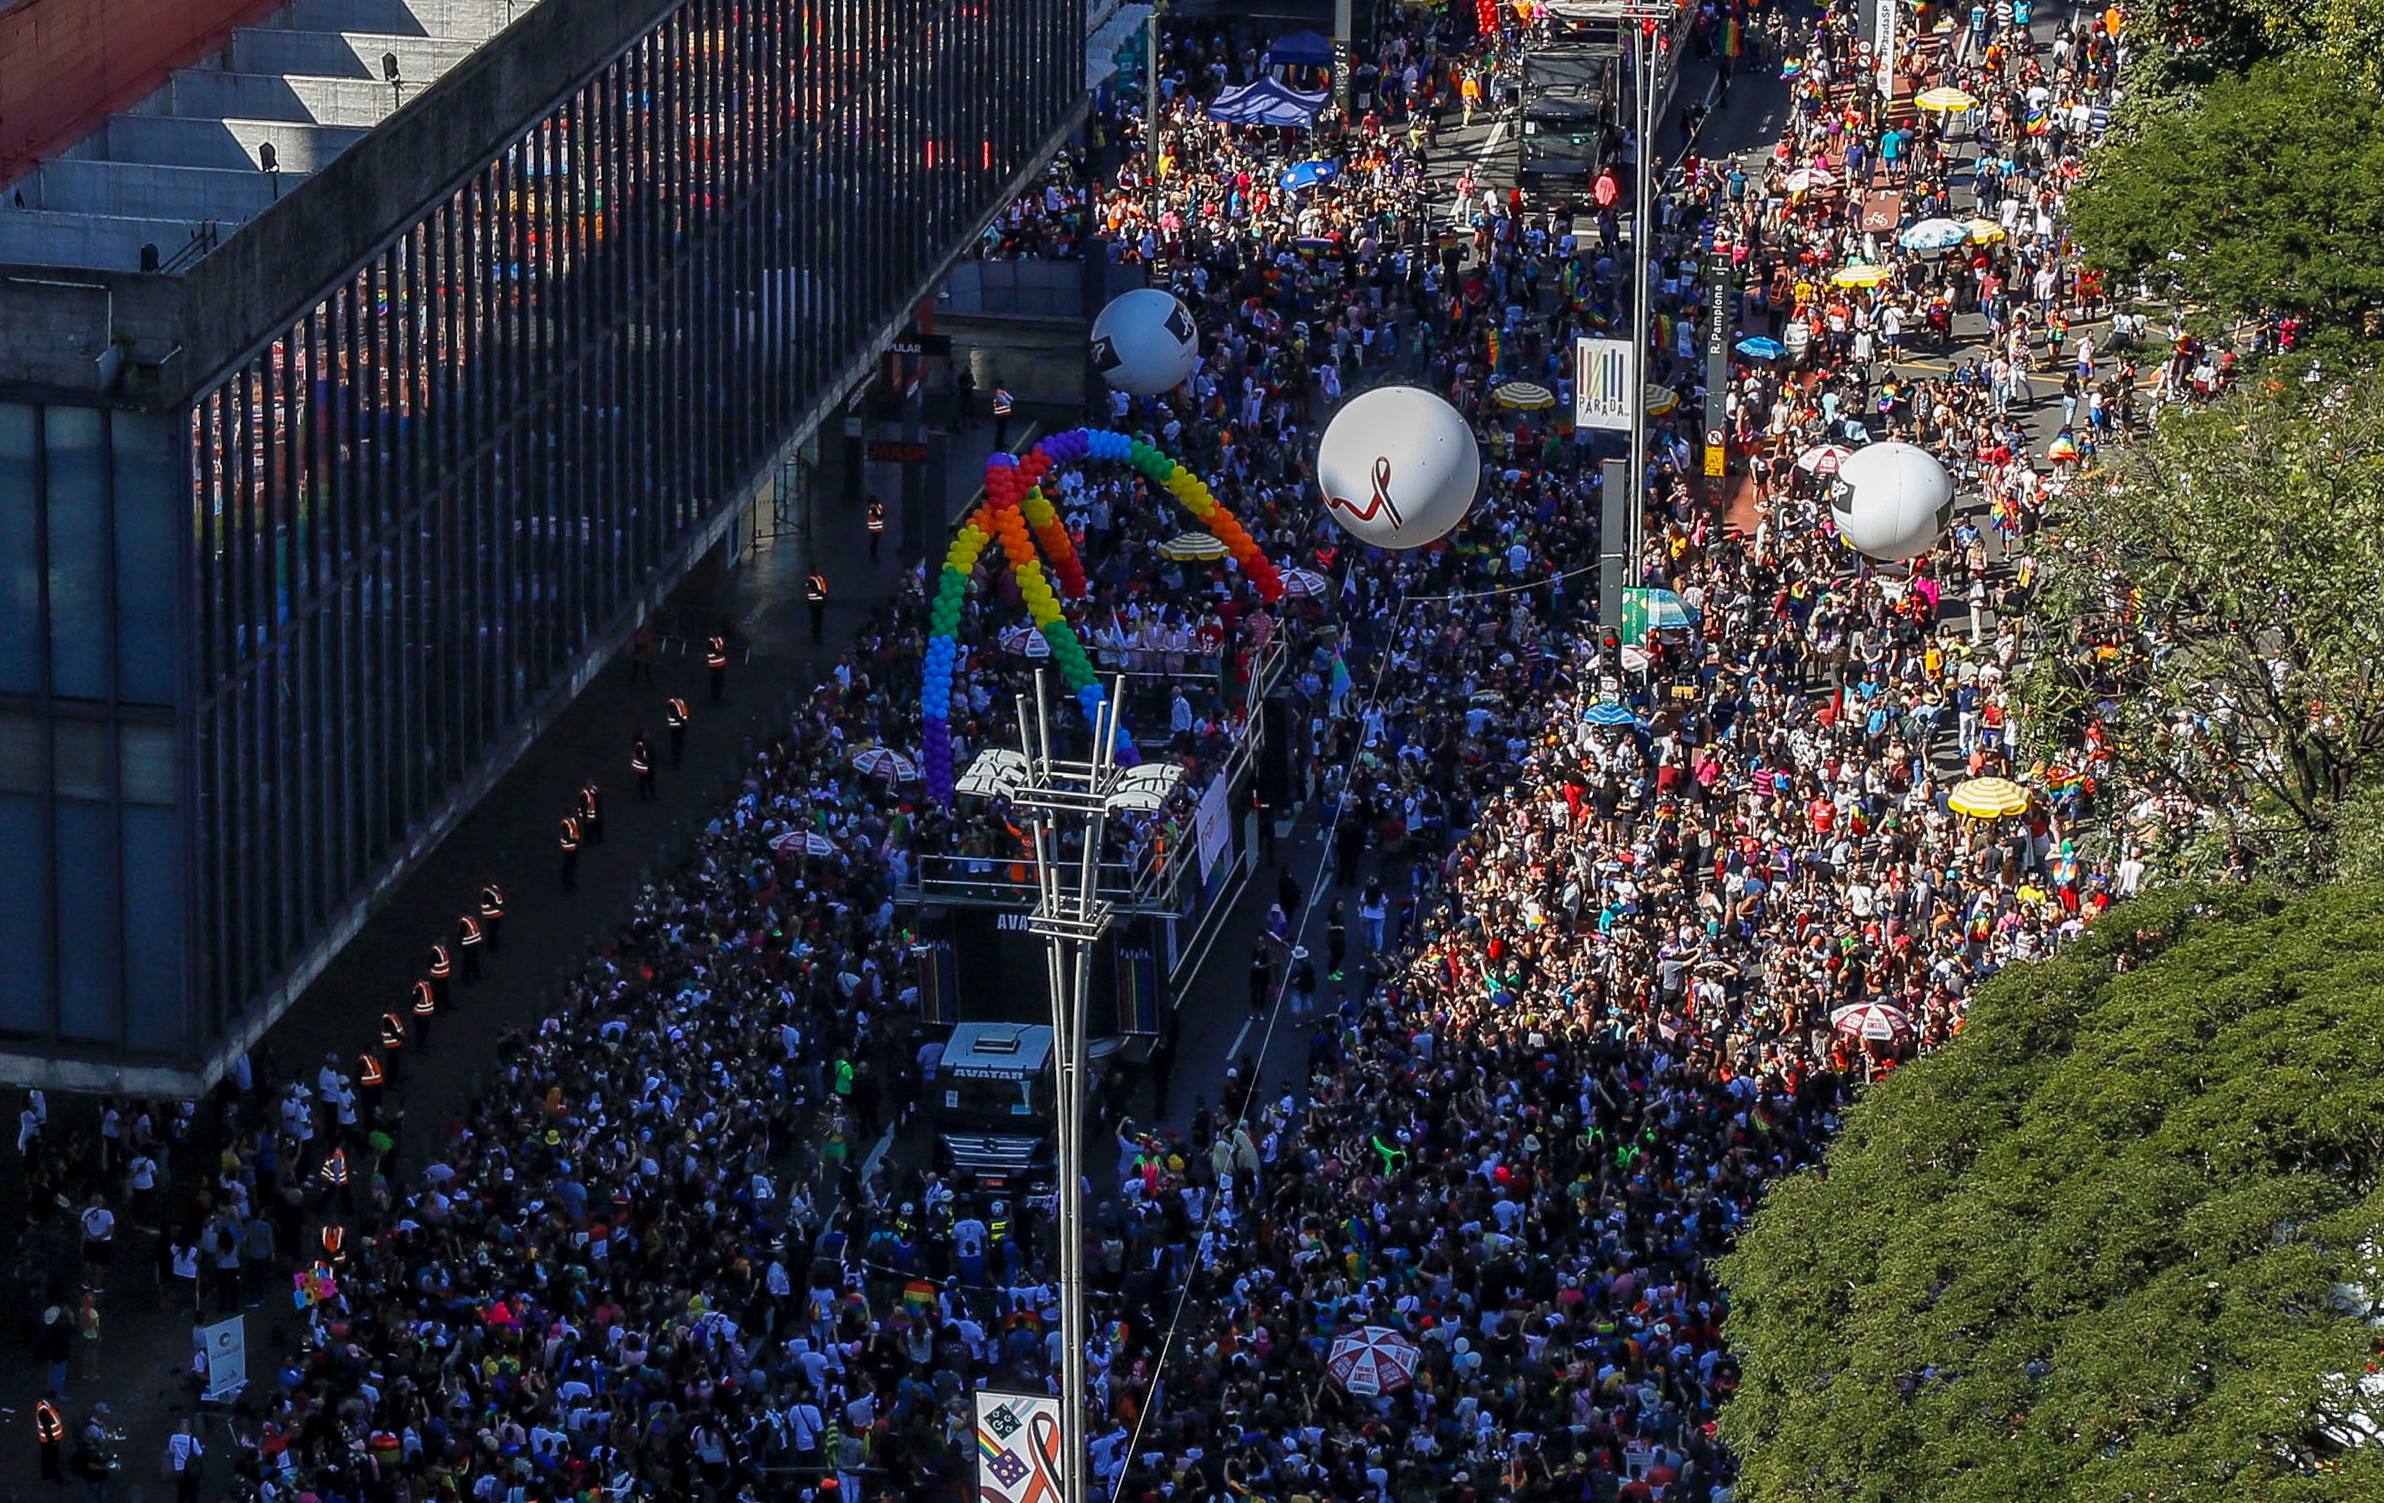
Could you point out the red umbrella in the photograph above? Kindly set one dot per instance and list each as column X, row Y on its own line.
column 1372, row 1360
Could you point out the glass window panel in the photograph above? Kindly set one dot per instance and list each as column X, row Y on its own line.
column 20, row 551
column 23, row 766
column 82, row 765
column 25, row 918
column 89, row 910
column 148, row 569
column 153, row 925
column 148, row 764
column 78, row 517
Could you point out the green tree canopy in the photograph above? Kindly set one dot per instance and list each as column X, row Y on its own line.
column 2215, row 602
column 2265, row 191
column 2118, row 1240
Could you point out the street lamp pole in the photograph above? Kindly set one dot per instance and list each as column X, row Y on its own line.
column 1150, row 111
column 1061, row 797
column 1643, row 78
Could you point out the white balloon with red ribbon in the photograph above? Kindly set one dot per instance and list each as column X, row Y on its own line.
column 1399, row 467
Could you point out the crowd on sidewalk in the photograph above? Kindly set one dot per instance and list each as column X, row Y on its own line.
column 1575, row 1010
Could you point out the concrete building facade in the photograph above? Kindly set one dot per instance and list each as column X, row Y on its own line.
column 361, row 390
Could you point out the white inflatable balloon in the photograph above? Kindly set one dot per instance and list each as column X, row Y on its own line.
column 1892, row 501
column 1145, row 342
column 1399, row 467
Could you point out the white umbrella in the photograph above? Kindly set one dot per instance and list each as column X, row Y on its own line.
column 1370, row 1361
column 1302, row 584
column 1823, row 459
column 1805, row 179
column 885, row 762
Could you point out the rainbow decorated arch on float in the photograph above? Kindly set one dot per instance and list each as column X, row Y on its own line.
column 1017, row 515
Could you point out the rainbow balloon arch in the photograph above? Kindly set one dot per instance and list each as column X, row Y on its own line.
column 1019, row 516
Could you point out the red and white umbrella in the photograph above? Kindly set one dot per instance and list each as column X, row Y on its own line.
column 1025, row 641
column 1372, row 1360
column 1805, row 179
column 1305, row 584
column 1823, row 459
column 885, row 762
column 802, row 843
column 1871, row 1023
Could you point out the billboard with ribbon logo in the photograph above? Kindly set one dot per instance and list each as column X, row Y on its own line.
column 1018, row 1448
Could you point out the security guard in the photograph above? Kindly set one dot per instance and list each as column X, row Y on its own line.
column 591, row 814
column 568, row 842
column 338, row 1182
column 468, row 938
column 426, row 1007
column 815, row 594
column 442, row 970
column 674, row 719
column 369, row 1080
column 877, row 527
column 716, row 662
column 1000, row 1234
column 49, row 1433
column 492, row 915
column 335, row 1244
column 393, row 1044
column 641, row 762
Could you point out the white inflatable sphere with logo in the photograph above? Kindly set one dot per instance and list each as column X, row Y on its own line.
column 1399, row 467
column 1892, row 501
column 1145, row 342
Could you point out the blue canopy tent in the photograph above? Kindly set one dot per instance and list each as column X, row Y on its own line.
column 1301, row 49
column 1267, row 102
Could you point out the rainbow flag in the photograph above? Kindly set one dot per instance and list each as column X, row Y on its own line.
column 1733, row 44
column 919, row 1296
column 1494, row 350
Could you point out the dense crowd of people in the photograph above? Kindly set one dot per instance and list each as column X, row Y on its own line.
column 1589, row 921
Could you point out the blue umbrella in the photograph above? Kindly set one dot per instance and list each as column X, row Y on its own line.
column 1666, row 611
column 1309, row 175
column 1607, row 712
column 1760, row 347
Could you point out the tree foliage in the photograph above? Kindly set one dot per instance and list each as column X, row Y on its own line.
column 2216, row 37
column 2215, row 603
column 2116, row 1241
column 2265, row 193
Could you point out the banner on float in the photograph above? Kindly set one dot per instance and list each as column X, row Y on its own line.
column 1605, row 377
column 1018, row 1448
column 1212, row 824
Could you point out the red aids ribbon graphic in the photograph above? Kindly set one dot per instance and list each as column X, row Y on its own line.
column 1378, row 503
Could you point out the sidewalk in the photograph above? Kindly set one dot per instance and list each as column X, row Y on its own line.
column 547, row 935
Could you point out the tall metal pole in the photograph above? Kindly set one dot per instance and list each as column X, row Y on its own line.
column 1343, row 25
column 1150, row 110
column 1643, row 75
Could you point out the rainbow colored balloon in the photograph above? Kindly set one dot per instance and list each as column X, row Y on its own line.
column 1018, row 516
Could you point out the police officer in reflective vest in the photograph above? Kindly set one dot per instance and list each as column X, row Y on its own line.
column 674, row 719
column 49, row 1433
column 492, row 915
column 877, row 527
column 1001, row 417
column 815, row 594
column 468, row 939
column 591, row 814
column 568, row 842
column 641, row 763
column 426, row 1007
column 335, row 1245
column 442, row 970
column 1001, row 1235
column 716, row 662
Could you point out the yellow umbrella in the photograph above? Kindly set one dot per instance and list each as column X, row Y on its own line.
column 1983, row 231
column 1859, row 275
column 1946, row 98
column 1526, row 396
column 1661, row 400
column 1988, row 798
column 1191, row 546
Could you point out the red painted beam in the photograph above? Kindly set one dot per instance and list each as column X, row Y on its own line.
column 65, row 65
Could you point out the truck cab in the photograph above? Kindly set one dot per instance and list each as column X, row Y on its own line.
column 1571, row 114
column 992, row 1103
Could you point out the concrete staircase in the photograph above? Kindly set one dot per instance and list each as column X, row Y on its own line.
column 160, row 184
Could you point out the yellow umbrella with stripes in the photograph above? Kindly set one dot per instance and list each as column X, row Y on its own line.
column 1988, row 798
column 1193, row 546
